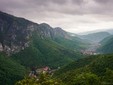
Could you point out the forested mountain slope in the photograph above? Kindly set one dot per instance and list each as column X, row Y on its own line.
column 106, row 45
column 89, row 71
column 10, row 70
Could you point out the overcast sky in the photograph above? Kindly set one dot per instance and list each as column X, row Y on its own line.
column 71, row 15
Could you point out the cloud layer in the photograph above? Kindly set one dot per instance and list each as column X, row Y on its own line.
column 71, row 15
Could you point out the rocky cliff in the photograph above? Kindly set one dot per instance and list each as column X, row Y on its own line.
column 15, row 32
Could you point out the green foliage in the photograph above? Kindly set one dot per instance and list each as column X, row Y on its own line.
column 74, row 43
column 27, row 81
column 86, row 79
column 75, row 65
column 10, row 71
column 107, row 45
column 99, row 65
column 105, row 40
column 29, row 57
column 108, row 76
column 88, row 71
column 43, row 79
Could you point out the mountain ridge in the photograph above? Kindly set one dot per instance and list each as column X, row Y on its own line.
column 106, row 45
column 15, row 36
column 20, row 36
column 95, row 37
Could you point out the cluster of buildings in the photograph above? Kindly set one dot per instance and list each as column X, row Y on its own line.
column 43, row 70
column 35, row 72
column 87, row 52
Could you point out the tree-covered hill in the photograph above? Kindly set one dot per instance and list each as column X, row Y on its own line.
column 10, row 70
column 89, row 71
column 92, row 70
column 106, row 45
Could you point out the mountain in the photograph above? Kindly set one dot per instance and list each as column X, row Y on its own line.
column 105, row 40
column 110, row 31
column 31, row 44
column 95, row 37
column 106, row 45
column 71, row 42
column 14, row 33
column 27, row 44
column 45, row 52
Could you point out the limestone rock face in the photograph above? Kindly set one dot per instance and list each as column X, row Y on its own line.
column 15, row 32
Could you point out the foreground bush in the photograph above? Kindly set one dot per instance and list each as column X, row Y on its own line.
column 42, row 79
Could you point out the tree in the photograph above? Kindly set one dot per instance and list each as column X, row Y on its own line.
column 86, row 79
column 42, row 79
column 108, row 77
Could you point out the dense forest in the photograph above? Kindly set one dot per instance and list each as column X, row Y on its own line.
column 89, row 71
column 92, row 70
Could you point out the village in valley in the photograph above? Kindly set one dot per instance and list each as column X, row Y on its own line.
column 35, row 72
column 91, row 50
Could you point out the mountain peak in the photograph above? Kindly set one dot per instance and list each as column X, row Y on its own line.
column 45, row 25
column 58, row 28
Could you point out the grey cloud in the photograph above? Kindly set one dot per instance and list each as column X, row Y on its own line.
column 46, row 2
column 44, row 8
column 78, row 1
column 59, row 1
column 104, row 1
column 31, row 5
column 67, row 13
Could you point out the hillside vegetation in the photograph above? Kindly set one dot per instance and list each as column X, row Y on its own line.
column 10, row 70
column 45, row 52
column 97, row 70
column 106, row 45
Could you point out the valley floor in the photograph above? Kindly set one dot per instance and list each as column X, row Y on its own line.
column 91, row 50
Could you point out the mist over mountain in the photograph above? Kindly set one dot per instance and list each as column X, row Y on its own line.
column 95, row 37
column 110, row 30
